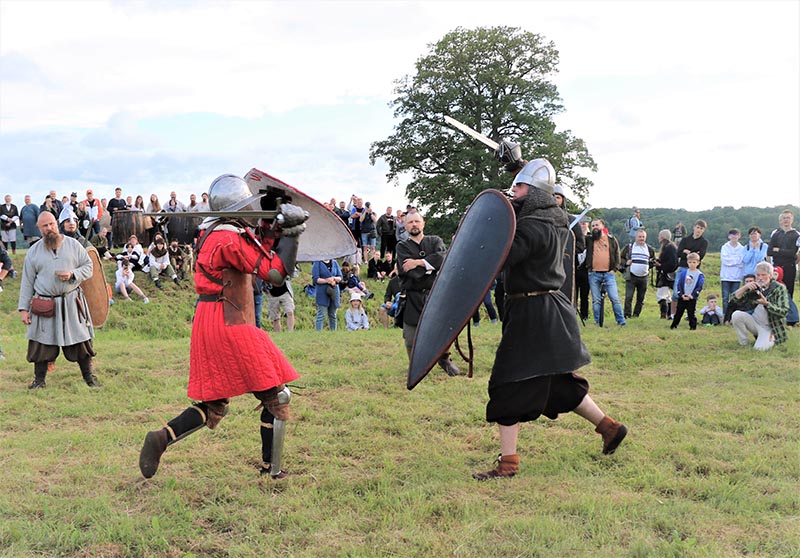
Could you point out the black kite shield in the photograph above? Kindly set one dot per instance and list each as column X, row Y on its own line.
column 478, row 251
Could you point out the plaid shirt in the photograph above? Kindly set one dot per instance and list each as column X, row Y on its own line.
column 777, row 308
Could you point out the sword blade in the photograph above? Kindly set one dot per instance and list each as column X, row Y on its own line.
column 579, row 217
column 271, row 214
column 470, row 132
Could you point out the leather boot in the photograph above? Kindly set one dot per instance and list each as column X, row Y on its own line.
column 39, row 375
column 613, row 433
column 157, row 441
column 507, row 466
column 86, row 371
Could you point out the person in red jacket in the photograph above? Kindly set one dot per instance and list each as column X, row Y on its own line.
column 230, row 356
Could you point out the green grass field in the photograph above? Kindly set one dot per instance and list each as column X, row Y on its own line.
column 710, row 467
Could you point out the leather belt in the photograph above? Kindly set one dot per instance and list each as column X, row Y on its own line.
column 532, row 293
column 209, row 298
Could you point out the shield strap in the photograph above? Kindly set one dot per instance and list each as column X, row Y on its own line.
column 470, row 348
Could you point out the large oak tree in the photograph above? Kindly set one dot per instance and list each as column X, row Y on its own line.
column 498, row 81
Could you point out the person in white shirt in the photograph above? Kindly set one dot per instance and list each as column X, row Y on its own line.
column 731, row 269
column 125, row 278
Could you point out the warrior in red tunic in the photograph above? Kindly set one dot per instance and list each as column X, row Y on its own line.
column 230, row 356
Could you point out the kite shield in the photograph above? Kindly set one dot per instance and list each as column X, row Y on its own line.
column 326, row 235
column 95, row 291
column 478, row 251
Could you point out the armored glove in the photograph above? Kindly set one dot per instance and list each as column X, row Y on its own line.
column 291, row 220
column 509, row 153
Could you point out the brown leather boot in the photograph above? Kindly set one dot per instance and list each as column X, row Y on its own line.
column 507, row 466
column 613, row 433
column 155, row 444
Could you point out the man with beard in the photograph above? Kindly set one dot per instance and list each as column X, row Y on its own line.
column 9, row 219
column 29, row 215
column 541, row 347
column 52, row 305
column 418, row 260
column 602, row 261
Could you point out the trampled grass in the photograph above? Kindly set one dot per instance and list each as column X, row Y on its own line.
column 710, row 468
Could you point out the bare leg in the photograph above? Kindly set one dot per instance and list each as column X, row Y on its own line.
column 290, row 321
column 137, row 290
column 122, row 290
column 589, row 410
column 508, row 439
column 276, row 325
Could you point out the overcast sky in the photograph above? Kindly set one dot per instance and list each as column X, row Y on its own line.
column 682, row 104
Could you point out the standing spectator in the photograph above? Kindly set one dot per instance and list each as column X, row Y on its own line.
column 54, row 269
column 581, row 275
column 754, row 251
column 602, row 261
column 400, row 233
column 356, row 209
column 28, row 216
column 94, row 209
column 203, row 205
column 712, row 314
column 487, row 303
column 418, row 260
column 56, row 203
column 125, row 283
column 355, row 317
column 49, row 206
column 688, row 285
column 179, row 205
column 158, row 222
column 731, row 268
column 694, row 244
column 326, row 276
column 6, row 265
column 770, row 301
column 783, row 244
column 193, row 206
column 369, row 236
column 342, row 212
column 114, row 205
column 385, row 229
column 9, row 219
column 638, row 257
column 666, row 265
column 634, row 224
column 280, row 302
column 678, row 233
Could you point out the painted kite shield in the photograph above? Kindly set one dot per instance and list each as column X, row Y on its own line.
column 95, row 291
column 478, row 251
column 326, row 235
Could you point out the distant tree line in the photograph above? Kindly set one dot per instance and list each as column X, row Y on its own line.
column 720, row 220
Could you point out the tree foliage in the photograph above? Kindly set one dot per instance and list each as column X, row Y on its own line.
column 496, row 80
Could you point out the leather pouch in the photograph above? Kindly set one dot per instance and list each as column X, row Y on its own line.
column 44, row 307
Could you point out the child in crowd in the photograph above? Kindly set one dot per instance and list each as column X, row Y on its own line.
column 356, row 285
column 125, row 283
column 355, row 316
column 688, row 285
column 712, row 314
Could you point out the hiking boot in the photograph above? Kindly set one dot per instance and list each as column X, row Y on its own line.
column 265, row 470
column 507, row 466
column 155, row 444
column 91, row 381
column 158, row 284
column 175, row 280
column 447, row 365
column 37, row 384
column 613, row 433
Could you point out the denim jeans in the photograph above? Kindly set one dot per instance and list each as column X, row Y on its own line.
column 258, row 298
column 321, row 312
column 727, row 290
column 609, row 280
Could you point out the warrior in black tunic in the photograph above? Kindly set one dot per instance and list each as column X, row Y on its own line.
column 541, row 347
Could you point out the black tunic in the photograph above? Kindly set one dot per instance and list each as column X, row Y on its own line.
column 541, row 336
column 417, row 282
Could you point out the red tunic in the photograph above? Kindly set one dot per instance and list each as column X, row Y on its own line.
column 227, row 361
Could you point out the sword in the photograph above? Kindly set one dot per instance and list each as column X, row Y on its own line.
column 266, row 214
column 470, row 132
column 581, row 216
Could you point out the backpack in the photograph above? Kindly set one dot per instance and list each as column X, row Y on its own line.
column 628, row 225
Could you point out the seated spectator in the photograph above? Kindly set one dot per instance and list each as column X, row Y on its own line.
column 100, row 242
column 7, row 265
column 280, row 301
column 179, row 257
column 355, row 317
column 372, row 266
column 125, row 283
column 159, row 263
column 134, row 253
column 386, row 269
column 356, row 285
column 734, row 304
column 771, row 304
column 712, row 314
column 390, row 300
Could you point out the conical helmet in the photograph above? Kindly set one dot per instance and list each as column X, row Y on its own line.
column 230, row 193
column 539, row 173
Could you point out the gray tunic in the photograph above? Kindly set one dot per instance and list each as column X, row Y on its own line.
column 68, row 326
